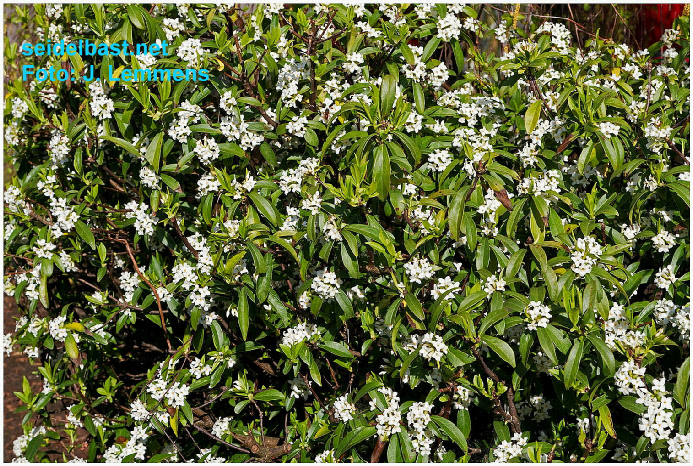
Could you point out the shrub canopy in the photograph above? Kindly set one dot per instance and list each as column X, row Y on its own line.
column 374, row 232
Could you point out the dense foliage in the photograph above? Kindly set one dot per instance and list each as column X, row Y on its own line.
column 375, row 233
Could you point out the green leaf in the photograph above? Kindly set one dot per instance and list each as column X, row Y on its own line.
column 43, row 290
column 630, row 404
column 613, row 150
column 153, row 154
column 206, row 208
column 501, row 348
column 124, row 144
column 682, row 382
column 85, row 233
column 243, row 314
column 71, row 346
column 414, row 306
column 311, row 138
column 345, row 304
column 606, row 420
column 217, row 336
column 573, row 363
column 419, row 98
column 170, row 181
column 546, row 271
column 407, row 362
column 471, row 301
column 455, row 214
column 352, row 439
column 381, row 171
column 32, row 448
column 546, row 343
column 607, row 357
column 338, row 349
column 451, row 430
column 532, row 116
column 407, row 54
column 270, row 394
column 683, row 190
column 264, row 206
column 387, row 94
column 369, row 387
column 589, row 296
column 491, row 318
column 137, row 16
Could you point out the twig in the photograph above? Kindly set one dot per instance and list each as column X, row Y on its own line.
column 329, row 412
column 174, row 221
column 678, row 152
column 512, row 418
column 378, row 450
column 156, row 294
column 230, row 445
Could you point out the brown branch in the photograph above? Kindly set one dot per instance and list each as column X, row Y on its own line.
column 156, row 294
column 330, row 412
column 378, row 450
column 249, row 89
column 174, row 222
column 512, row 418
column 209, row 434
column 676, row 149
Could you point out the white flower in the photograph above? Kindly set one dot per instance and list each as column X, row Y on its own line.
column 207, row 150
column 331, row 230
column 144, row 222
column 228, row 102
column 191, row 51
column 505, row 450
column 353, row 63
column 664, row 241
column 609, row 129
column 221, row 427
column 440, row 159
column 494, row 283
column 297, row 126
column 665, row 277
column 418, row 269
column 630, row 231
column 56, row 328
column 19, row 108
column 207, row 184
column 312, row 203
column 343, row 410
column 432, row 346
column 101, row 106
column 7, row 344
column 680, row 448
column 537, row 315
column 629, row 378
column 326, row 456
column 299, row 388
column 326, row 284
column 388, row 422
column 462, row 397
column 172, row 27
column 445, row 284
column 43, row 249
column 299, row 333
column 449, row 27
column 149, row 178
column 585, row 255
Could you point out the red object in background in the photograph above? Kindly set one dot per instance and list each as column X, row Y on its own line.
column 656, row 18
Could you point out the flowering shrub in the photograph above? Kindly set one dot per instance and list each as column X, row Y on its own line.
column 364, row 237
